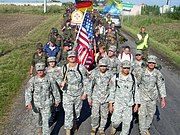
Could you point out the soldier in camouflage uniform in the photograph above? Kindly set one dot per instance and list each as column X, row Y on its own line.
column 151, row 85
column 101, row 77
column 73, row 82
column 123, row 96
column 40, row 94
column 113, row 61
column 38, row 56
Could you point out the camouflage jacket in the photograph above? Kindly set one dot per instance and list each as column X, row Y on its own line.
column 41, row 92
column 100, row 85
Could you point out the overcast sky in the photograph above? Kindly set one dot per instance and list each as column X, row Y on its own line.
column 149, row 2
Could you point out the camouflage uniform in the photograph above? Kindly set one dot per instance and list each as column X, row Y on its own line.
column 151, row 84
column 100, row 95
column 75, row 87
column 41, row 92
column 123, row 99
column 113, row 63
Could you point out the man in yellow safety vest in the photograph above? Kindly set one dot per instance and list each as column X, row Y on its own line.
column 142, row 41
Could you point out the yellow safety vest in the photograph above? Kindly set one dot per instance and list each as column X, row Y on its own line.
column 144, row 44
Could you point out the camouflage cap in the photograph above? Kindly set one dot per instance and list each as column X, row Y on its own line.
column 139, row 52
column 126, row 64
column 40, row 66
column 103, row 62
column 52, row 39
column 72, row 53
column 54, row 30
column 112, row 48
column 39, row 45
column 51, row 59
column 151, row 58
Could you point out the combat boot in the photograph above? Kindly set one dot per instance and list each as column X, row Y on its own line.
column 101, row 132
column 113, row 130
column 93, row 131
column 40, row 131
column 68, row 132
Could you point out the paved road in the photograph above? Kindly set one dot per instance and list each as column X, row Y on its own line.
column 166, row 122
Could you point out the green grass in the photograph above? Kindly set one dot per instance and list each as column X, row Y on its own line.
column 30, row 9
column 15, row 65
column 164, row 34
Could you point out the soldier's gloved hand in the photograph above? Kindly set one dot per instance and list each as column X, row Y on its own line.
column 62, row 84
column 90, row 102
column 135, row 109
column 111, row 108
column 29, row 106
column 163, row 102
column 56, row 104
column 84, row 96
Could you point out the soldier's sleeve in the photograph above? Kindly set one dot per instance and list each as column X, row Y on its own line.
column 137, row 93
column 60, row 75
column 91, row 83
column 112, row 89
column 28, row 91
column 161, row 84
column 55, row 90
column 86, row 80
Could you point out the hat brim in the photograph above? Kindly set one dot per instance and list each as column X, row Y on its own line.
column 72, row 56
column 151, row 61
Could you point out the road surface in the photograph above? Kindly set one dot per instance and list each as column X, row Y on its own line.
column 166, row 121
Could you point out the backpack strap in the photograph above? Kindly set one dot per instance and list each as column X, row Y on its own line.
column 80, row 73
column 133, row 86
column 116, row 81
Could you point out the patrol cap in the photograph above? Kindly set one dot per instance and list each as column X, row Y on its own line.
column 72, row 53
column 51, row 59
column 151, row 58
column 40, row 66
column 54, row 30
column 103, row 62
column 39, row 45
column 126, row 64
column 52, row 39
column 138, row 52
column 112, row 48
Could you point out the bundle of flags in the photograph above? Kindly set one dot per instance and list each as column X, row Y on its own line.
column 113, row 7
column 84, row 48
column 82, row 5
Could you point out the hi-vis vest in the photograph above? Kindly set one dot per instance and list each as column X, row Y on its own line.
column 144, row 44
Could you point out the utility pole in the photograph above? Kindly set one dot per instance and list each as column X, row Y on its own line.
column 45, row 6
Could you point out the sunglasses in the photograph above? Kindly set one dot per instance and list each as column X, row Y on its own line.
column 151, row 63
column 126, row 67
column 138, row 54
column 102, row 66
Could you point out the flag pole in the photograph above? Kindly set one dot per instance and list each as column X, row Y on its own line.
column 79, row 29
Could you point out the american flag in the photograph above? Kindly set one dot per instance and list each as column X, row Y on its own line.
column 84, row 48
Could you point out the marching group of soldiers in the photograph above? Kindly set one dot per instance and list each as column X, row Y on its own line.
column 118, row 84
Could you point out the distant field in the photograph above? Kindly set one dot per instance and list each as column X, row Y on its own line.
column 18, row 35
column 164, row 33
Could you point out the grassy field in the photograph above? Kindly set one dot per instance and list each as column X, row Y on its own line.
column 164, row 34
column 20, row 45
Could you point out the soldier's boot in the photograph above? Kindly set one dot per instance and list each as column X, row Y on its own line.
column 40, row 131
column 93, row 131
column 68, row 132
column 113, row 130
column 101, row 132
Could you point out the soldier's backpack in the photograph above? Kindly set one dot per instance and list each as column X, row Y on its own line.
column 133, row 86
column 65, row 72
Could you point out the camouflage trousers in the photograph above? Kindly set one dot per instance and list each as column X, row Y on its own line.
column 99, row 115
column 122, row 115
column 72, row 107
column 43, row 115
column 146, row 113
